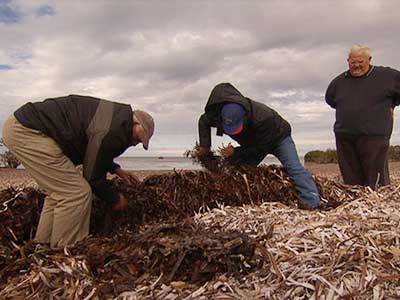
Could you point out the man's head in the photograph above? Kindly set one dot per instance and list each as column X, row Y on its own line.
column 233, row 118
column 359, row 60
column 143, row 128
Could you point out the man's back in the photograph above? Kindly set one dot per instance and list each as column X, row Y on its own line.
column 66, row 120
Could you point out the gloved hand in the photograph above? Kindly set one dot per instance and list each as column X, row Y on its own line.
column 121, row 204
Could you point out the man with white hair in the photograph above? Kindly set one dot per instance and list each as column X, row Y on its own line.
column 364, row 98
column 53, row 136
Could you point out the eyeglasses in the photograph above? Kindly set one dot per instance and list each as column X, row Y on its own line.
column 358, row 60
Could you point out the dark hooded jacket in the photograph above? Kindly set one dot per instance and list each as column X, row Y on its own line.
column 263, row 129
column 89, row 131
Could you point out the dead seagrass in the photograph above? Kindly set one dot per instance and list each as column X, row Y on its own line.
column 242, row 236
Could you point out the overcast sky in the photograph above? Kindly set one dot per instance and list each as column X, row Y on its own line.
column 166, row 56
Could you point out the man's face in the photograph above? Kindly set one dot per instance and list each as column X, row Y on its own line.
column 358, row 64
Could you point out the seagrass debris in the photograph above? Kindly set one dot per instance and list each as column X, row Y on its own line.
column 105, row 267
column 162, row 197
column 170, row 196
column 180, row 194
column 350, row 252
column 19, row 212
column 334, row 194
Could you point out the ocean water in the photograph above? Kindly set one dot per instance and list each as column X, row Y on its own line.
column 169, row 163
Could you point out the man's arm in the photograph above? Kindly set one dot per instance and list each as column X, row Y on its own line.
column 205, row 131
column 331, row 94
column 396, row 96
column 98, row 162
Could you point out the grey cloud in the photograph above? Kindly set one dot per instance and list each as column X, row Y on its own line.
column 5, row 67
column 8, row 13
column 45, row 10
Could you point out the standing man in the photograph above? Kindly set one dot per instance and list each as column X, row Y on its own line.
column 364, row 98
column 260, row 131
column 51, row 137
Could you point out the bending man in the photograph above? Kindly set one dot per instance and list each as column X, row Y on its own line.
column 260, row 131
column 51, row 137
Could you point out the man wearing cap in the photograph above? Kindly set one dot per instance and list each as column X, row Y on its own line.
column 260, row 131
column 51, row 137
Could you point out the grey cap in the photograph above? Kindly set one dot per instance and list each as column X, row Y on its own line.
column 147, row 122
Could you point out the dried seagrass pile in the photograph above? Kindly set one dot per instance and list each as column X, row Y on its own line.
column 106, row 267
column 170, row 197
column 350, row 252
column 181, row 194
column 266, row 248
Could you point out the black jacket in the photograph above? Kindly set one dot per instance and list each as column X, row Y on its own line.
column 89, row 131
column 263, row 129
column 364, row 105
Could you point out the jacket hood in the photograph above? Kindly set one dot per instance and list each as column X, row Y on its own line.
column 226, row 92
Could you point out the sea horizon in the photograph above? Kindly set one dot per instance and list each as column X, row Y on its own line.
column 172, row 162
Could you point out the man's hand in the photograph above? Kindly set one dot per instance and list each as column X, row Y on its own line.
column 121, row 204
column 203, row 151
column 227, row 151
column 127, row 176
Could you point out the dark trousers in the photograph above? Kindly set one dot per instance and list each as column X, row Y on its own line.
column 362, row 159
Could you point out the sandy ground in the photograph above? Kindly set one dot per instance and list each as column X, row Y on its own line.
column 12, row 177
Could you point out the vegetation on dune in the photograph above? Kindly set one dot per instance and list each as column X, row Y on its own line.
column 321, row 157
column 330, row 156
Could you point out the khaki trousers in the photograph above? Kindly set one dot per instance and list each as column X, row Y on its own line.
column 65, row 215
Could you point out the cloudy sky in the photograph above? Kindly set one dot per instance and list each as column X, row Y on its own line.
column 166, row 56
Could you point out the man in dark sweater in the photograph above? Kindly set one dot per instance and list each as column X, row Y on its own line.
column 51, row 137
column 259, row 130
column 364, row 98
